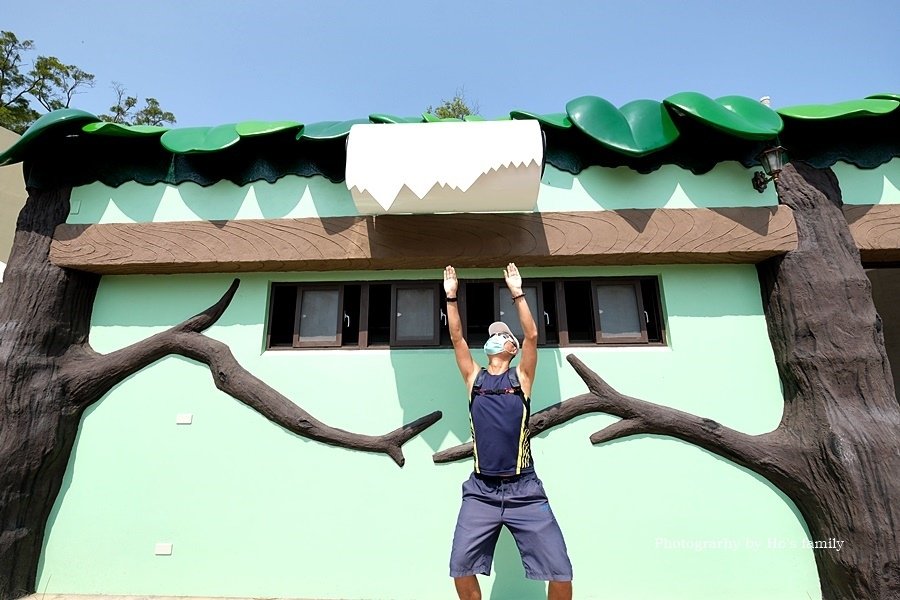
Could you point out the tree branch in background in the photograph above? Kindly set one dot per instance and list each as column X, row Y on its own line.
column 50, row 84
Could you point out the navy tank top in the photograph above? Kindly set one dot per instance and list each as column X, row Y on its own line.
column 498, row 416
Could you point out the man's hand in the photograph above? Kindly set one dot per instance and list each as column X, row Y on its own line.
column 451, row 283
column 513, row 279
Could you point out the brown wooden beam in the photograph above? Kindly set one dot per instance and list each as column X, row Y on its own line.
column 624, row 237
column 876, row 229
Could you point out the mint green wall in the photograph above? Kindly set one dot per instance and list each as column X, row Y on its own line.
column 596, row 188
column 870, row 186
column 600, row 188
column 255, row 511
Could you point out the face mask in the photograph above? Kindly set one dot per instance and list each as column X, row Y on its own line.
column 495, row 345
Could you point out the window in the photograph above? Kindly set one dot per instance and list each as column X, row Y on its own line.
column 410, row 314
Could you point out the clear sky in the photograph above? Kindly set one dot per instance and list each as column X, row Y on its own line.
column 219, row 61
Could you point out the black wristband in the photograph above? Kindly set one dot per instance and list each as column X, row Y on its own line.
column 514, row 298
column 451, row 299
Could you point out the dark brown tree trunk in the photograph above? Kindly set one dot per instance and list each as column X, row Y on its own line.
column 840, row 411
column 44, row 311
column 836, row 452
column 49, row 375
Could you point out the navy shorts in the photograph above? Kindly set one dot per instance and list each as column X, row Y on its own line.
column 521, row 504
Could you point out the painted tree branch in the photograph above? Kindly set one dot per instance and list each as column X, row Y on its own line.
column 642, row 417
column 89, row 375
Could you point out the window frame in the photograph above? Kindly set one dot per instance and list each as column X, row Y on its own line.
column 635, row 285
column 420, row 342
column 538, row 285
column 339, row 330
column 561, row 317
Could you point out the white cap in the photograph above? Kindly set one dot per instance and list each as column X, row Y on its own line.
column 501, row 327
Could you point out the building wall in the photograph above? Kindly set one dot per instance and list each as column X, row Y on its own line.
column 12, row 197
column 255, row 511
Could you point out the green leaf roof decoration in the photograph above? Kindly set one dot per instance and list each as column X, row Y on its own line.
column 190, row 140
column 884, row 97
column 51, row 123
column 122, row 130
column 868, row 107
column 636, row 129
column 384, row 118
column 328, row 130
column 251, row 128
column 430, row 118
column 557, row 120
column 736, row 115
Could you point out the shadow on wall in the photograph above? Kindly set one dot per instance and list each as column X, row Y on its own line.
column 869, row 186
column 509, row 574
column 289, row 197
column 97, row 203
column 727, row 185
column 429, row 380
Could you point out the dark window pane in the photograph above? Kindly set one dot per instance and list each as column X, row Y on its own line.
column 379, row 314
column 551, row 321
column 351, row 316
column 415, row 314
column 479, row 312
column 281, row 321
column 650, row 295
column 617, row 309
column 509, row 313
column 579, row 311
column 443, row 322
column 319, row 315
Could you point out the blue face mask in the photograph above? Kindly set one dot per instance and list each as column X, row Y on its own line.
column 495, row 345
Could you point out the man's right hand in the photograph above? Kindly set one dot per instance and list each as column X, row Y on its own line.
column 451, row 283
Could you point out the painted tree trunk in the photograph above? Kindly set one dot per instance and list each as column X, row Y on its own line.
column 836, row 452
column 841, row 414
column 49, row 375
column 44, row 311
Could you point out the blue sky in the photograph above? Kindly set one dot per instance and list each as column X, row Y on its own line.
column 218, row 61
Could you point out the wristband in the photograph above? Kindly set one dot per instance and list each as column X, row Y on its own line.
column 451, row 299
column 514, row 298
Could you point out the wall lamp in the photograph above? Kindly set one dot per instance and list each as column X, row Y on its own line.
column 772, row 161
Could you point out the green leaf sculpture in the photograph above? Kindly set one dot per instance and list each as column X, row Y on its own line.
column 869, row 107
column 384, row 118
column 736, row 115
column 56, row 121
column 329, row 130
column 885, row 96
column 252, row 128
column 638, row 128
column 122, row 130
column 192, row 140
column 558, row 120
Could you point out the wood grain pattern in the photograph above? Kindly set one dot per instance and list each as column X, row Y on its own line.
column 876, row 229
column 634, row 236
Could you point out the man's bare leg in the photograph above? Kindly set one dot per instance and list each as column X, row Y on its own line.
column 467, row 588
column 558, row 590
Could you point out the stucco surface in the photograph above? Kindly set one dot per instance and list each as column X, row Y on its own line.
column 252, row 510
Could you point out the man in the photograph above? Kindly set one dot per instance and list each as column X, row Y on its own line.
column 503, row 489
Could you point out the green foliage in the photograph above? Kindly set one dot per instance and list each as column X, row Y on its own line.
column 48, row 84
column 123, row 111
column 457, row 107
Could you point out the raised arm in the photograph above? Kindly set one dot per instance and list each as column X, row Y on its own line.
column 467, row 367
column 528, row 359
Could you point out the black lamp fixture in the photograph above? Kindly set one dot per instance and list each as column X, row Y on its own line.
column 772, row 161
